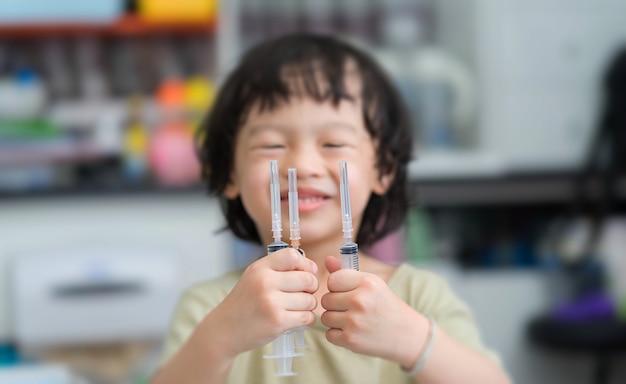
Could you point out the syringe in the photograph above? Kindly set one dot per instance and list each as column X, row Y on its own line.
column 283, row 346
column 349, row 250
column 294, row 237
column 294, row 213
column 277, row 220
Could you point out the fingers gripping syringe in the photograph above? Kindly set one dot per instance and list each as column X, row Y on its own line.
column 294, row 237
column 349, row 251
column 283, row 346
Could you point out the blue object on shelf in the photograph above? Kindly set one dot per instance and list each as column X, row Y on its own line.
column 59, row 11
column 8, row 355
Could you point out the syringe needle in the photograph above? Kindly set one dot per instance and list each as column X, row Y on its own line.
column 349, row 251
column 277, row 228
column 294, row 215
column 346, row 212
column 277, row 224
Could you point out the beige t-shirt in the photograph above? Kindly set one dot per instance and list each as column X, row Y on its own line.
column 324, row 362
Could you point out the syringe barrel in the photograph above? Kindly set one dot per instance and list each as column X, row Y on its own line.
column 349, row 254
column 276, row 246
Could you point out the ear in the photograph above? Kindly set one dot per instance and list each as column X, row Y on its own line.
column 232, row 190
column 382, row 183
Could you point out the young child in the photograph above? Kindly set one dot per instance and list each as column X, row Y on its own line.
column 309, row 101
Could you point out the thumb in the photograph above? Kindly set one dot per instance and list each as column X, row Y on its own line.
column 332, row 264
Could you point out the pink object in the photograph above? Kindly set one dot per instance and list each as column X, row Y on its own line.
column 389, row 249
column 173, row 157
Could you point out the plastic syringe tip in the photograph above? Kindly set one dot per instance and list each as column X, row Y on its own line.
column 277, row 226
column 294, row 215
column 344, row 189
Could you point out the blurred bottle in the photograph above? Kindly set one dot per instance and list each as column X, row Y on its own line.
column 611, row 249
column 135, row 143
column 23, row 96
column 58, row 73
column 172, row 151
column 445, row 98
column 93, row 85
column 419, row 236
column 127, row 77
column 199, row 95
column 437, row 88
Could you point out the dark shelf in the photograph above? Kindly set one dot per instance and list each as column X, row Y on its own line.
column 126, row 26
column 103, row 191
column 515, row 189
column 511, row 189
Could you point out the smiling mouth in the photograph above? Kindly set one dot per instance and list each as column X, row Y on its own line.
column 306, row 199
column 309, row 200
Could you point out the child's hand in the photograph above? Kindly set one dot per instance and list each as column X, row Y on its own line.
column 367, row 317
column 274, row 294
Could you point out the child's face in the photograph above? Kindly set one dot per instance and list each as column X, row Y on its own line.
column 311, row 137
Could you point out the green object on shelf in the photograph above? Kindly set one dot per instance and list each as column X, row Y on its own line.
column 419, row 236
column 621, row 309
column 28, row 130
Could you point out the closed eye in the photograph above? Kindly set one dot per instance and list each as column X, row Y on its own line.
column 334, row 145
column 269, row 146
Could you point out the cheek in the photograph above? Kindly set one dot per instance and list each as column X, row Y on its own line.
column 255, row 193
column 360, row 192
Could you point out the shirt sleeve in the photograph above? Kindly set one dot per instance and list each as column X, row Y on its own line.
column 190, row 311
column 195, row 303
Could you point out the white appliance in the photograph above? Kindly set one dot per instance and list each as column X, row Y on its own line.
column 539, row 65
column 93, row 293
column 39, row 374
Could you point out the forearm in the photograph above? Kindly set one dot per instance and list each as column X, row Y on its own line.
column 452, row 362
column 200, row 360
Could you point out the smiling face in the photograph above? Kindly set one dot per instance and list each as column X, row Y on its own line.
column 306, row 84
column 311, row 137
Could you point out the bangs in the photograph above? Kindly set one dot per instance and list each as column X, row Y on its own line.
column 308, row 72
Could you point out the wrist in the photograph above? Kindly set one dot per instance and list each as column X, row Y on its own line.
column 416, row 367
column 214, row 342
column 416, row 339
column 200, row 359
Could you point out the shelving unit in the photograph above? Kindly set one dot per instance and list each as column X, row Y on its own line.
column 128, row 25
column 85, row 142
column 524, row 189
column 455, row 164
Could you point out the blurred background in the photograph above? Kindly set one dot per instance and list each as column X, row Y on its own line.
column 518, row 173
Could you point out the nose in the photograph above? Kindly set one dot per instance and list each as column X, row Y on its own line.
column 307, row 160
